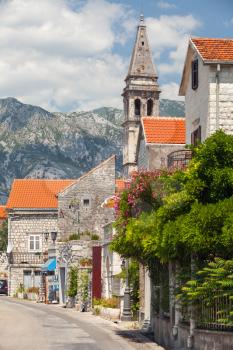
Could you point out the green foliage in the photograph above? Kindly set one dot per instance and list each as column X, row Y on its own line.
column 134, row 285
column 3, row 236
column 212, row 285
column 74, row 237
column 110, row 302
column 73, row 282
column 83, row 283
column 210, row 175
column 95, row 237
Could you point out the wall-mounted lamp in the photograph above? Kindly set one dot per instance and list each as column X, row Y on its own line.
column 53, row 236
column 46, row 236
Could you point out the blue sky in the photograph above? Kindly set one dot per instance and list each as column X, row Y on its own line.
column 69, row 55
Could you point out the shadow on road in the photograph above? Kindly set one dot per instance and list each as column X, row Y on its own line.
column 136, row 336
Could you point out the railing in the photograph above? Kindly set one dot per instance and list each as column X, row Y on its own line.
column 211, row 316
column 179, row 159
column 28, row 258
column 215, row 316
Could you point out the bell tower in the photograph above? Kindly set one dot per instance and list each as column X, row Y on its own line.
column 140, row 96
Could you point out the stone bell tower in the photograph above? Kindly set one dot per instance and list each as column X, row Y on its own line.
column 140, row 96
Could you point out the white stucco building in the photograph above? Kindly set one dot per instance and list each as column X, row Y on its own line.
column 207, row 84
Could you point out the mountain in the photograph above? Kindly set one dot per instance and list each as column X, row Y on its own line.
column 37, row 143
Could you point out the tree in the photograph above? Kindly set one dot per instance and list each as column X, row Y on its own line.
column 3, row 236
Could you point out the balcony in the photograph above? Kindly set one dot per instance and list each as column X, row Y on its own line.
column 179, row 159
column 28, row 258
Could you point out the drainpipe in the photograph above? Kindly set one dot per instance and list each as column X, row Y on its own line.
column 217, row 95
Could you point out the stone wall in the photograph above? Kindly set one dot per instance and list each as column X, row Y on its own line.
column 20, row 226
column 201, row 105
column 23, row 225
column 80, row 204
column 158, row 155
column 225, row 99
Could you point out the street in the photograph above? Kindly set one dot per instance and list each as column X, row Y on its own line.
column 28, row 326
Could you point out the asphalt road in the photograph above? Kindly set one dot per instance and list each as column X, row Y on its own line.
column 28, row 326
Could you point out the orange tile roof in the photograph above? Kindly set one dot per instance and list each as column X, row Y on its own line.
column 120, row 185
column 36, row 193
column 3, row 213
column 214, row 49
column 166, row 130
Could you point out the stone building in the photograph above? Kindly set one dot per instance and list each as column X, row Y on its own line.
column 32, row 215
column 36, row 208
column 207, row 84
column 149, row 139
column 140, row 96
column 79, row 204
column 160, row 138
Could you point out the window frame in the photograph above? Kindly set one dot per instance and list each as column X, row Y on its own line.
column 36, row 239
column 195, row 74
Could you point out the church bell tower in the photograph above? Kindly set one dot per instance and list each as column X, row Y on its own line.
column 140, row 96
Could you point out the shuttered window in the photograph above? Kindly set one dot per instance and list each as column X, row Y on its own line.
column 195, row 74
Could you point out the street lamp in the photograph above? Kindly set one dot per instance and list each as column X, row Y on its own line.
column 53, row 236
column 126, row 314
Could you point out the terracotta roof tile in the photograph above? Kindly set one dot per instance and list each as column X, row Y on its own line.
column 120, row 185
column 3, row 213
column 214, row 49
column 167, row 130
column 36, row 193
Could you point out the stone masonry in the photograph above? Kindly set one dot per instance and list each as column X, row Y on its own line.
column 80, row 204
column 21, row 226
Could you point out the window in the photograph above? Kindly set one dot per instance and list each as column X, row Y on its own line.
column 137, row 107
column 34, row 243
column 149, row 107
column 196, row 136
column 86, row 202
column 142, row 43
column 195, row 74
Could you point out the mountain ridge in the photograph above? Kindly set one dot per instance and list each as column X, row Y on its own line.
column 42, row 144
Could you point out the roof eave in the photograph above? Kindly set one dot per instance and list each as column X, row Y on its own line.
column 218, row 62
column 164, row 144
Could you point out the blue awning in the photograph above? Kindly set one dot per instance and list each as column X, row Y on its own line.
column 50, row 265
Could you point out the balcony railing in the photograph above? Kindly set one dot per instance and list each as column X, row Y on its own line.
column 28, row 258
column 179, row 159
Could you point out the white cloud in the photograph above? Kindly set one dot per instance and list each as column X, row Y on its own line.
column 170, row 91
column 170, row 34
column 60, row 54
column 166, row 5
column 56, row 57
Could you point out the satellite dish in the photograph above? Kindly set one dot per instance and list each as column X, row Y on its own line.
column 9, row 247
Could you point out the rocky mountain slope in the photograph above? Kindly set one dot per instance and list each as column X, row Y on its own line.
column 37, row 143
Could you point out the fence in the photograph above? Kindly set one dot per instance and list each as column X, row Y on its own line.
column 211, row 315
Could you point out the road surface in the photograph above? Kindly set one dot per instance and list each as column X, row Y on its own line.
column 29, row 326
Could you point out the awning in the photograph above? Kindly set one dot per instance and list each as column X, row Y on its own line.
column 50, row 265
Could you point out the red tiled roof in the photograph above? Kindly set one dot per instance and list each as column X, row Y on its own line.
column 214, row 49
column 167, row 130
column 36, row 193
column 3, row 213
column 120, row 185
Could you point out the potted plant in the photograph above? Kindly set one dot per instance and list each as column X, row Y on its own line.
column 73, row 286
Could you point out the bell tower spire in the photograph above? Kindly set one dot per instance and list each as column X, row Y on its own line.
column 141, row 96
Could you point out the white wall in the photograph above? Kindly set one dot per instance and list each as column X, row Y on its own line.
column 197, row 103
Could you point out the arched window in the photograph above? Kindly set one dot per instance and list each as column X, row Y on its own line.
column 137, row 107
column 149, row 107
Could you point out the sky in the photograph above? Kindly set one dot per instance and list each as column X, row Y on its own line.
column 67, row 55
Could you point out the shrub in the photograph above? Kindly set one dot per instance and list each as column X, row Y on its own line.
column 95, row 237
column 33, row 290
column 74, row 237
